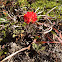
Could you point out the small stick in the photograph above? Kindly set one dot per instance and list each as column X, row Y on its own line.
column 18, row 51
column 49, row 21
column 51, row 10
column 59, row 39
column 39, row 12
column 15, row 26
column 47, row 31
column 15, row 53
column 42, row 15
column 37, row 9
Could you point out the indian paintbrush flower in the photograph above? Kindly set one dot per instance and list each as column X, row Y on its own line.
column 30, row 17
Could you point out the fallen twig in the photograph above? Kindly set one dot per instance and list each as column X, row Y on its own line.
column 34, row 41
column 42, row 15
column 15, row 53
column 48, row 30
column 49, row 21
column 59, row 39
column 37, row 9
column 59, row 33
column 51, row 10
column 39, row 12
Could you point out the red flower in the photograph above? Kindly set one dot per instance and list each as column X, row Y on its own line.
column 30, row 17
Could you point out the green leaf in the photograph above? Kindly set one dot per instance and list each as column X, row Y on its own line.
column 53, row 32
column 23, row 24
column 1, row 52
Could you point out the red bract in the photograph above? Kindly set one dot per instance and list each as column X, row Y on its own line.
column 30, row 17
